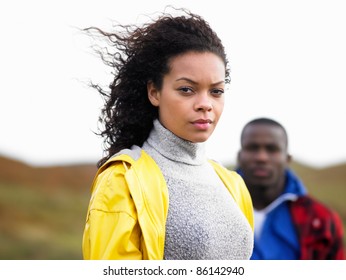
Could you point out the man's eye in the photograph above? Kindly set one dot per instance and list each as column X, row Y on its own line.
column 251, row 148
column 272, row 149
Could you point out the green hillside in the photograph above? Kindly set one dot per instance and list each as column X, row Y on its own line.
column 42, row 210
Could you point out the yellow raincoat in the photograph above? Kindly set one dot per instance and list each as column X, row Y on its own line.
column 127, row 212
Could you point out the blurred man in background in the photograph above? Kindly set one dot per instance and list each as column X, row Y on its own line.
column 289, row 224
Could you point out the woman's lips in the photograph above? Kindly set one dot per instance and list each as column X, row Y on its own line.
column 202, row 124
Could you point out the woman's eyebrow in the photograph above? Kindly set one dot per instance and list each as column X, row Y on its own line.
column 193, row 82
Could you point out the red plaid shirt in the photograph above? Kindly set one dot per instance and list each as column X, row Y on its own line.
column 319, row 230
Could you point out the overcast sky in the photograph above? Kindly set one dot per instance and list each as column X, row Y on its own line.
column 287, row 59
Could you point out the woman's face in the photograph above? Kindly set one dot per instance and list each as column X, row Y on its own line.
column 191, row 100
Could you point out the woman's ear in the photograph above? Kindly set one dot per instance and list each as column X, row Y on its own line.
column 153, row 94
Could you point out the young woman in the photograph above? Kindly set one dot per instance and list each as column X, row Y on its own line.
column 156, row 195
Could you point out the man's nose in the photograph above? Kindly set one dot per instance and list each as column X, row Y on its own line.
column 262, row 154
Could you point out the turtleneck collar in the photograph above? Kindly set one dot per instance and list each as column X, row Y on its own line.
column 175, row 148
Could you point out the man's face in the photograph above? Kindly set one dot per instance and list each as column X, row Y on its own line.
column 263, row 156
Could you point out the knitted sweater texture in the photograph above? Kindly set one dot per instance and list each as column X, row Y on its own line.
column 203, row 222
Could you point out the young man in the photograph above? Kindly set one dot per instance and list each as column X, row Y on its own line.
column 289, row 224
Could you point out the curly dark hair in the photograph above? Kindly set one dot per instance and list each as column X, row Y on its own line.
column 143, row 54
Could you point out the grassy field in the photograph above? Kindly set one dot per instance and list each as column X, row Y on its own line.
column 41, row 225
column 42, row 210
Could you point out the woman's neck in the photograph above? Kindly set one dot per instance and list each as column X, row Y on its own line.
column 175, row 148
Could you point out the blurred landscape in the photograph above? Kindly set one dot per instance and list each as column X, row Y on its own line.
column 43, row 209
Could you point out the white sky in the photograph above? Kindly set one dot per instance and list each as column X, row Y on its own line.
column 287, row 58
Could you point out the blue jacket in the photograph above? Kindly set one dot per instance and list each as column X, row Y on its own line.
column 298, row 226
column 279, row 239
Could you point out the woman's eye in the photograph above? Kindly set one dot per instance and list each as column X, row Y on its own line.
column 185, row 90
column 217, row 92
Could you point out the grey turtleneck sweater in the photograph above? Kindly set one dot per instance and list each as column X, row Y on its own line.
column 203, row 221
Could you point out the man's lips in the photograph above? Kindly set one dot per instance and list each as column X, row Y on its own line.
column 260, row 172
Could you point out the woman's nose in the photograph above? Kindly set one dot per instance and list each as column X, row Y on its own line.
column 203, row 103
